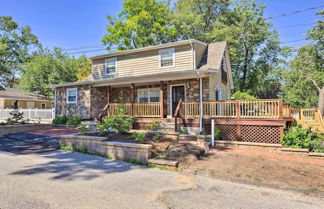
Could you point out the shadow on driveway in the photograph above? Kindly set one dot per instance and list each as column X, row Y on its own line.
column 73, row 165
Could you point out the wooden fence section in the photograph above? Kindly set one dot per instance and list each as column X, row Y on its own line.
column 151, row 109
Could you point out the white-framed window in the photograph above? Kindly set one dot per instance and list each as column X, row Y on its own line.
column 111, row 66
column 43, row 105
column 148, row 95
column 167, row 58
column 71, row 95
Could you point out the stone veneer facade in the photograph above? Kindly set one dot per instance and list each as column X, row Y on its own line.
column 92, row 100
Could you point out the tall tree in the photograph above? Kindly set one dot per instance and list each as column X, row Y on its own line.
column 195, row 18
column 254, row 48
column 83, row 68
column 140, row 23
column 16, row 44
column 304, row 85
column 48, row 68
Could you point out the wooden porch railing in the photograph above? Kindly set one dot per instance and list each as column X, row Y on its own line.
column 151, row 109
column 305, row 116
column 259, row 108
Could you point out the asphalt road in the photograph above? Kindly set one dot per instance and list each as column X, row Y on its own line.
column 32, row 178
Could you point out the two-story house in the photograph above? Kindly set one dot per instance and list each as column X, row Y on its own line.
column 150, row 80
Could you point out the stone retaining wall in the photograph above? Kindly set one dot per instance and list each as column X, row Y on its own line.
column 12, row 129
column 110, row 149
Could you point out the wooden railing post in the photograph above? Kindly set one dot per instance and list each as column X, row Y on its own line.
column 238, row 109
column 280, row 105
column 161, row 100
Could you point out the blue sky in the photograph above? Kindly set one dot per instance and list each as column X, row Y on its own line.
column 77, row 23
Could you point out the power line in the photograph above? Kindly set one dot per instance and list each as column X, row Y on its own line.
column 293, row 41
column 82, row 47
column 294, row 12
column 292, row 26
column 86, row 51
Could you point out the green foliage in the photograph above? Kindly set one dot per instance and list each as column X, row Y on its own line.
column 305, row 78
column 50, row 67
column 16, row 46
column 154, row 125
column 217, row 133
column 120, row 122
column 61, row 120
column 140, row 23
column 84, row 69
column 156, row 137
column 303, row 138
column 83, row 129
column 140, row 137
column 74, row 120
column 195, row 19
column 184, row 130
column 242, row 95
column 254, row 48
column 65, row 147
column 17, row 116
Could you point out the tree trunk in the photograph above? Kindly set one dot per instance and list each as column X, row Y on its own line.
column 321, row 100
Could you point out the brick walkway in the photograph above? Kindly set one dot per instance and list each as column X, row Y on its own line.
column 275, row 155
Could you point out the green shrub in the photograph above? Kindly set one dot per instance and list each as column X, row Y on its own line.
column 66, row 147
column 154, row 125
column 140, row 137
column 83, row 129
column 242, row 95
column 60, row 120
column 303, row 138
column 156, row 136
column 120, row 122
column 217, row 133
column 184, row 130
column 74, row 120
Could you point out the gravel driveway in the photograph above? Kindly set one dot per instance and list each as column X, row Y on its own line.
column 57, row 179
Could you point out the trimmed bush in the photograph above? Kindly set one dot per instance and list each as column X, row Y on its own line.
column 120, row 122
column 154, row 125
column 60, row 120
column 74, row 120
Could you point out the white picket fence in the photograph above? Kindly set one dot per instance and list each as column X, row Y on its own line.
column 30, row 114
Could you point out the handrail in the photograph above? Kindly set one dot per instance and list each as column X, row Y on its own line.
column 177, row 112
column 105, row 110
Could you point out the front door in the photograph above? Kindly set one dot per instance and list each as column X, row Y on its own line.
column 178, row 92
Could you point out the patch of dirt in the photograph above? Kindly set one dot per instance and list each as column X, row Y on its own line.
column 184, row 152
column 262, row 168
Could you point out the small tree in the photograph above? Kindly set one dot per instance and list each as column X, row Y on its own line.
column 16, row 115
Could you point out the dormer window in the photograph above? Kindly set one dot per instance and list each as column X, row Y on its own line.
column 111, row 66
column 167, row 58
